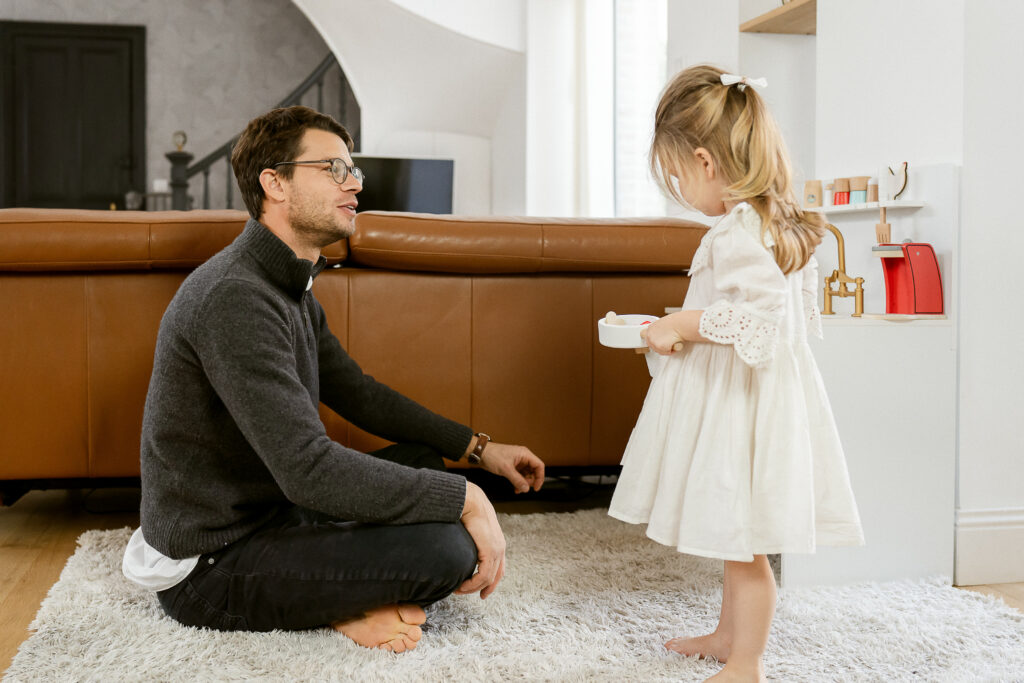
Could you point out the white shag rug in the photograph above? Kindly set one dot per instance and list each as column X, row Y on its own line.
column 585, row 598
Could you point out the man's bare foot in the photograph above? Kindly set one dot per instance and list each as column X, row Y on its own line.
column 394, row 628
column 712, row 645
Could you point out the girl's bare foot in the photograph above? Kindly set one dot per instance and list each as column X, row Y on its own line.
column 394, row 628
column 712, row 645
column 746, row 674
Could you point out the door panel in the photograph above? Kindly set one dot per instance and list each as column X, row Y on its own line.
column 73, row 114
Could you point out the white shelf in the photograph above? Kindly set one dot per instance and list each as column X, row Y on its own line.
column 867, row 206
column 798, row 16
column 885, row 320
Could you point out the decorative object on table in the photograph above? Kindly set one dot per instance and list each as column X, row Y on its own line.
column 913, row 283
column 179, row 171
column 133, row 200
column 829, row 188
column 179, row 139
column 892, row 181
column 841, row 280
column 883, row 231
column 812, row 193
column 840, row 191
column 873, row 192
column 859, row 189
column 901, row 175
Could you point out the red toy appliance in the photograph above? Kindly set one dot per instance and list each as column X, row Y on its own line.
column 913, row 284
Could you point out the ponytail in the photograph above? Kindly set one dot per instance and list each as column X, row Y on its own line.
column 734, row 125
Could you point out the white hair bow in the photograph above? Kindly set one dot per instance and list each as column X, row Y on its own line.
column 730, row 79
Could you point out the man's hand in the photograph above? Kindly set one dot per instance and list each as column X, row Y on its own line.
column 518, row 464
column 482, row 524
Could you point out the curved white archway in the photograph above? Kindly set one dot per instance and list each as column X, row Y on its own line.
column 427, row 90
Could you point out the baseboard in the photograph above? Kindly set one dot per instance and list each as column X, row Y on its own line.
column 989, row 546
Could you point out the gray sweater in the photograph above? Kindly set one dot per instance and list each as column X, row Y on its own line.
column 231, row 432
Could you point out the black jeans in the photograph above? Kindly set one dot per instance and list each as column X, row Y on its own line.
column 305, row 569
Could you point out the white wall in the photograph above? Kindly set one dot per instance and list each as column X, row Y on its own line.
column 499, row 22
column 702, row 32
column 698, row 33
column 889, row 85
column 990, row 525
column 788, row 62
column 416, row 79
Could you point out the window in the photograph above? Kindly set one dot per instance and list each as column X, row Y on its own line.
column 641, row 48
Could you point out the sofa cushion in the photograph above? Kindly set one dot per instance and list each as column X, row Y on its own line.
column 459, row 244
column 84, row 240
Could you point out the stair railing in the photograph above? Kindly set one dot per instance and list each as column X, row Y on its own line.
column 181, row 201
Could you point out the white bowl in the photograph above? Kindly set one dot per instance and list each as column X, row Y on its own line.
column 624, row 336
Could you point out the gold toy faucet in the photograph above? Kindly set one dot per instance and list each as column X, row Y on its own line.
column 841, row 279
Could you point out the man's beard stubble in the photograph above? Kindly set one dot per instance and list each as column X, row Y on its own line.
column 319, row 227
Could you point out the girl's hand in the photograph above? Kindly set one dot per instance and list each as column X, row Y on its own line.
column 662, row 337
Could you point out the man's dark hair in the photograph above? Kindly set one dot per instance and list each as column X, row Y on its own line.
column 274, row 137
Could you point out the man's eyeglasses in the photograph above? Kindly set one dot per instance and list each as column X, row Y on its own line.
column 339, row 169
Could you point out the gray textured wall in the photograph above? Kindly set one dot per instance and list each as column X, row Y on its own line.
column 211, row 65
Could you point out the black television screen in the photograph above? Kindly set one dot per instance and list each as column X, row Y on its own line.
column 397, row 184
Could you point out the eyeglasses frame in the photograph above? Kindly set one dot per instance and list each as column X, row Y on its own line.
column 353, row 170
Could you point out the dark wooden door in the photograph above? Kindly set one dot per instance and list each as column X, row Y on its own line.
column 72, row 112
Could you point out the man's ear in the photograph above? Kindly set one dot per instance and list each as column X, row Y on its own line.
column 705, row 162
column 271, row 184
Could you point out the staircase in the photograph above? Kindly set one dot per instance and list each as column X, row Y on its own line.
column 326, row 89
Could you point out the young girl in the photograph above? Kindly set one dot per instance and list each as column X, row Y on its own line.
column 735, row 454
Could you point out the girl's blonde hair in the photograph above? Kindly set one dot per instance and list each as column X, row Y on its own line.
column 735, row 126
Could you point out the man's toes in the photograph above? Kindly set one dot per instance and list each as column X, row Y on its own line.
column 386, row 647
column 414, row 633
column 412, row 614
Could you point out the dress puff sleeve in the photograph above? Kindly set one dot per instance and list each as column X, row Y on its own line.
column 754, row 289
column 812, row 314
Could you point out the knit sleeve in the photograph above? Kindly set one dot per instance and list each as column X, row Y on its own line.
column 754, row 292
column 376, row 407
column 246, row 342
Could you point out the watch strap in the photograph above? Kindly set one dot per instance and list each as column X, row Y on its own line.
column 481, row 443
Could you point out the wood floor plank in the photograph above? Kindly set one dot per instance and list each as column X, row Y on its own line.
column 1014, row 594
column 37, row 536
column 1010, row 593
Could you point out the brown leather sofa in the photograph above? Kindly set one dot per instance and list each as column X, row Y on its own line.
column 490, row 321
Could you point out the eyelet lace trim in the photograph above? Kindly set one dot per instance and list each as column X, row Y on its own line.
column 754, row 338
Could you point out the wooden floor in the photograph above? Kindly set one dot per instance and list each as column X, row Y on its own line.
column 37, row 535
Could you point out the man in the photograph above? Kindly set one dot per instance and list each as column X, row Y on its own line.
column 252, row 517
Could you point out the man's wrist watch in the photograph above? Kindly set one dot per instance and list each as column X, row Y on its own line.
column 481, row 443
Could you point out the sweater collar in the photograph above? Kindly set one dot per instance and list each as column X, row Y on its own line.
column 283, row 267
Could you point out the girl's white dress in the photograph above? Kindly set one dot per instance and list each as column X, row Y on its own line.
column 736, row 452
